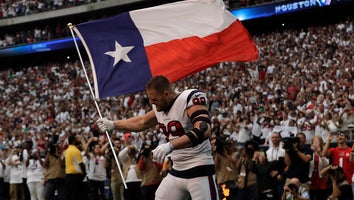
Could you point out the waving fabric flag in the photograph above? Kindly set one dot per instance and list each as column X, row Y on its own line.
column 174, row 40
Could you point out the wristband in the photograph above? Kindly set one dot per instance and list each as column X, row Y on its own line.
column 114, row 125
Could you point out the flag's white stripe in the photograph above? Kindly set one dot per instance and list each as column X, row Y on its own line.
column 177, row 20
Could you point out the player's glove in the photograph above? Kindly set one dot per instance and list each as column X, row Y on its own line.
column 161, row 151
column 105, row 125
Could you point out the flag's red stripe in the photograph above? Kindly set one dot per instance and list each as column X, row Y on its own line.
column 231, row 44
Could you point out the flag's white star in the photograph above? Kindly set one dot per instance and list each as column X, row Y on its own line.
column 120, row 53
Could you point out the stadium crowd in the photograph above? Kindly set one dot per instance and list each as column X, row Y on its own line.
column 301, row 87
column 9, row 9
column 16, row 8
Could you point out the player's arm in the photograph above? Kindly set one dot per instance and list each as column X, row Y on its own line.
column 136, row 124
column 201, row 131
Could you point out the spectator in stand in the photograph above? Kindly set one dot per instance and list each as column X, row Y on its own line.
column 328, row 125
column 341, row 189
column 292, row 90
column 117, row 186
column 41, row 142
column 97, row 169
column 275, row 155
column 74, row 169
column 318, row 186
column 128, row 157
column 2, row 171
column 244, row 131
column 341, row 155
column 347, row 115
column 256, row 128
column 26, row 152
column 35, row 176
column 266, row 179
column 266, row 128
column 86, row 162
column 15, row 162
column 7, row 175
column 308, row 125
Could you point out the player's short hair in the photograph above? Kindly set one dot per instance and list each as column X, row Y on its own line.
column 158, row 83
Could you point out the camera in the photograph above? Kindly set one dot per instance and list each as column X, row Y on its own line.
column 332, row 172
column 292, row 187
column 145, row 150
column 132, row 152
column 289, row 143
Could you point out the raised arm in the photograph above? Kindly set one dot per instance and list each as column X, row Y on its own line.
column 326, row 146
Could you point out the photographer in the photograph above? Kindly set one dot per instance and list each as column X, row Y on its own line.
column 297, row 159
column 55, row 172
column 294, row 191
column 246, row 167
column 225, row 158
column 341, row 189
column 149, row 172
column 128, row 157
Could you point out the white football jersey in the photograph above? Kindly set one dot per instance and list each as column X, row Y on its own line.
column 176, row 123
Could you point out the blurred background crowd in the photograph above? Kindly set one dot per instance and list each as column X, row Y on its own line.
column 302, row 83
column 18, row 8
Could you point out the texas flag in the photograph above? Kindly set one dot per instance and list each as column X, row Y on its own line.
column 174, row 40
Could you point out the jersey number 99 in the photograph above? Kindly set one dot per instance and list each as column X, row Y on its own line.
column 173, row 127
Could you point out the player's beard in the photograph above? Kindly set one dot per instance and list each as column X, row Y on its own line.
column 161, row 106
column 158, row 108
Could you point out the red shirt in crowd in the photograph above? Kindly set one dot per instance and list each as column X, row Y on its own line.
column 317, row 182
column 341, row 157
column 292, row 90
